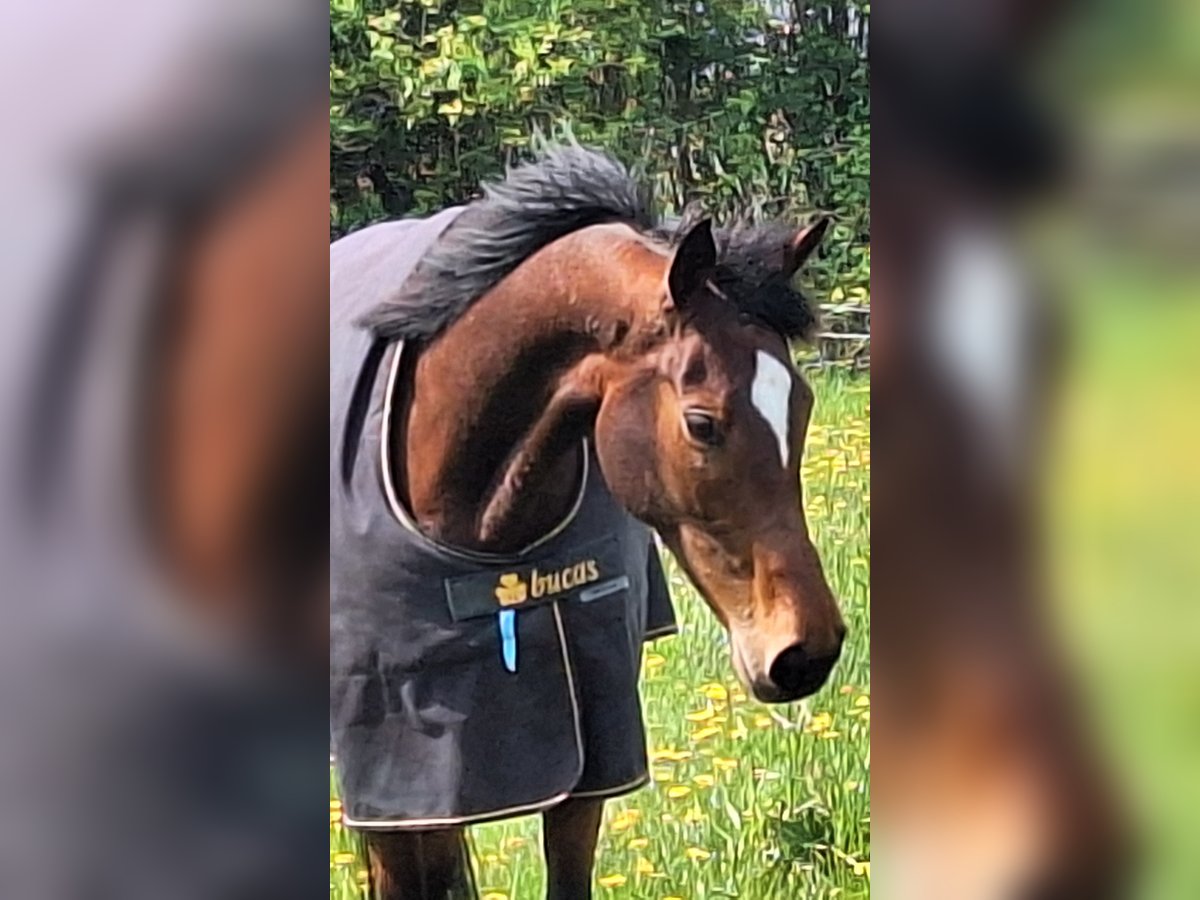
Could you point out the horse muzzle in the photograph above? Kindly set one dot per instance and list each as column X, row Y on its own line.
column 795, row 672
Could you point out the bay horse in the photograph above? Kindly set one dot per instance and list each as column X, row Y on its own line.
column 551, row 312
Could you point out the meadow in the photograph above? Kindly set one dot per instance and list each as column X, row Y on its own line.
column 746, row 800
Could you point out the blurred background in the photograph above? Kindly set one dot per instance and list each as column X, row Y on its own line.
column 162, row 522
column 1124, row 483
column 1034, row 188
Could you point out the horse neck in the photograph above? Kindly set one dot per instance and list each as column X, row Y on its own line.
column 486, row 383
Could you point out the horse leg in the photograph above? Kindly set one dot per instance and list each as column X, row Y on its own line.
column 570, row 831
column 420, row 865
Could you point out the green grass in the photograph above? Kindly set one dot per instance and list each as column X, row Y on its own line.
column 747, row 801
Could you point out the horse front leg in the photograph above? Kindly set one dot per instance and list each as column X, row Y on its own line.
column 420, row 865
column 569, row 835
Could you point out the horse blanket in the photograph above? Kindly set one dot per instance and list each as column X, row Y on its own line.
column 468, row 686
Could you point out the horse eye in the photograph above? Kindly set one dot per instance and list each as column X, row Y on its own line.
column 702, row 428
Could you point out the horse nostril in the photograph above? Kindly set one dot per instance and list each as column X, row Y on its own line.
column 1070, row 879
column 796, row 675
column 790, row 670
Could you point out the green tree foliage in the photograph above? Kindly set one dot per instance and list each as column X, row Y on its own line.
column 732, row 103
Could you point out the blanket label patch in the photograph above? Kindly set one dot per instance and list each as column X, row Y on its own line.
column 589, row 572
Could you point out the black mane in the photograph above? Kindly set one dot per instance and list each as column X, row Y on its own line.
column 566, row 188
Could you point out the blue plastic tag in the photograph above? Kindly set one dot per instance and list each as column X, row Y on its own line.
column 508, row 638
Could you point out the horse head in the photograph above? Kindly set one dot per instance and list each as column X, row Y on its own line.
column 701, row 436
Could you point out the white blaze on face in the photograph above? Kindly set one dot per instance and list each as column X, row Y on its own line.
column 979, row 329
column 771, row 395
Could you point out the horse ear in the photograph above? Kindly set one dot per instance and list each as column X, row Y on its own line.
column 693, row 264
column 801, row 247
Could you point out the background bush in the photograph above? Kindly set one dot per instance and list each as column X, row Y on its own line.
column 733, row 103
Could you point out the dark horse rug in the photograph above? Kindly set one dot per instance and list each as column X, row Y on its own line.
column 467, row 686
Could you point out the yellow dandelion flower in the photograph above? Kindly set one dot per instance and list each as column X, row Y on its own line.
column 820, row 722
column 698, row 854
column 702, row 715
column 763, row 721
column 491, row 858
column 644, row 866
column 624, row 821
column 343, row 859
column 639, row 844
column 670, row 754
column 830, row 735
column 615, row 880
column 335, row 818
column 724, row 764
column 361, row 876
column 335, row 806
column 864, row 700
column 676, row 791
column 703, row 733
column 655, row 661
column 705, row 781
column 715, row 692
column 863, row 868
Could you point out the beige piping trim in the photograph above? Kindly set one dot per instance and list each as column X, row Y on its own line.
column 449, row 822
column 402, row 515
column 614, row 791
column 566, row 655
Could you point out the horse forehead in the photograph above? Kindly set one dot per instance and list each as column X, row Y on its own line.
column 725, row 366
column 731, row 357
